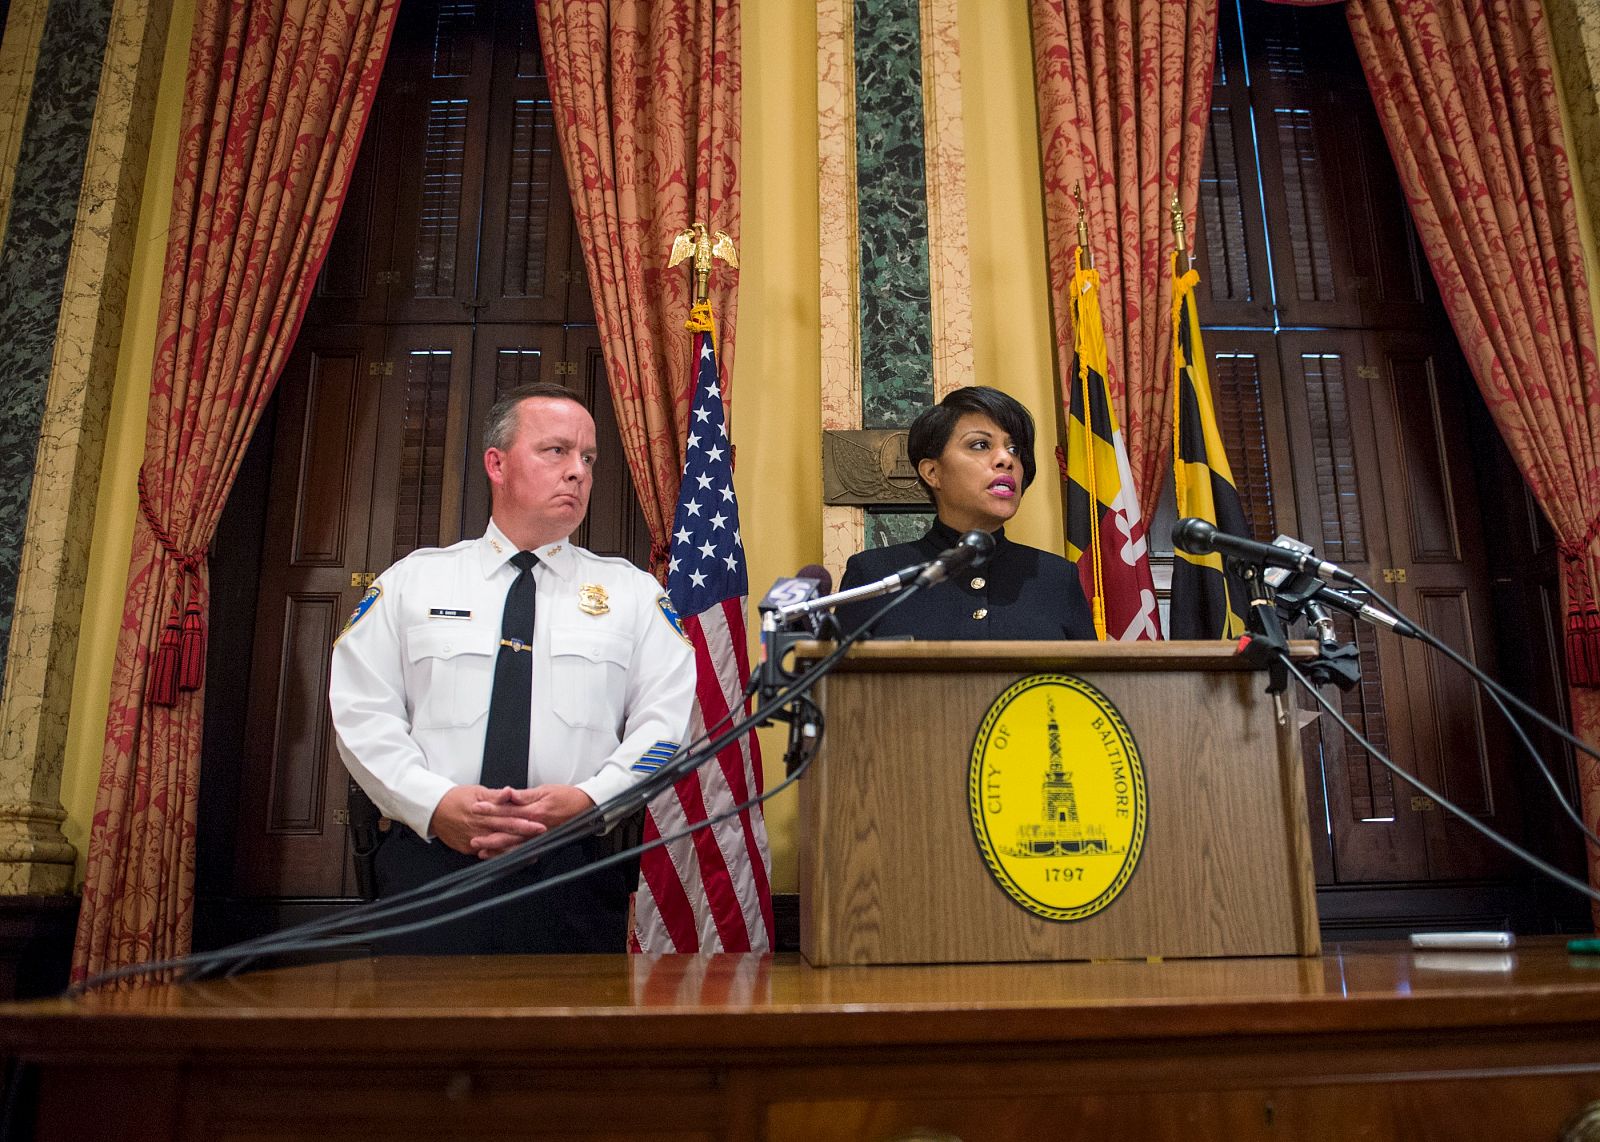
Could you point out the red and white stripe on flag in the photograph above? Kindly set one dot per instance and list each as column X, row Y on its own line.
column 710, row 891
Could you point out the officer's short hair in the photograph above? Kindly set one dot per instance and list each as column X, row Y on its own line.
column 500, row 426
column 930, row 432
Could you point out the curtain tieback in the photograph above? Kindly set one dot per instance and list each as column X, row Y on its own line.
column 1583, row 615
column 181, row 653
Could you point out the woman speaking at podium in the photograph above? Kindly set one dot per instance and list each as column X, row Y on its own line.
column 973, row 452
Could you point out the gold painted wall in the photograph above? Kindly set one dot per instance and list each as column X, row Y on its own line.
column 776, row 426
column 118, row 496
column 776, row 429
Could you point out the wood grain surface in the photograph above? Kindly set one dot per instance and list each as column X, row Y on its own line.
column 890, row 871
column 1366, row 1041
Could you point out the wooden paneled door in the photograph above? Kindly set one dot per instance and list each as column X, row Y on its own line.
column 1381, row 485
column 1341, row 395
column 454, row 276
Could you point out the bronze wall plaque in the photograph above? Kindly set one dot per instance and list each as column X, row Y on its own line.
column 868, row 467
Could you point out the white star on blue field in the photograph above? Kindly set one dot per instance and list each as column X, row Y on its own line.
column 707, row 552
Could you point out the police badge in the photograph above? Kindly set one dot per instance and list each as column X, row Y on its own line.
column 592, row 599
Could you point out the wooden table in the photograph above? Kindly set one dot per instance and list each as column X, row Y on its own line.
column 1366, row 1041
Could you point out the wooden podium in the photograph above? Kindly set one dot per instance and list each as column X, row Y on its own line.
column 890, row 867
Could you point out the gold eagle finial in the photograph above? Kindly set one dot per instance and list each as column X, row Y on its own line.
column 704, row 245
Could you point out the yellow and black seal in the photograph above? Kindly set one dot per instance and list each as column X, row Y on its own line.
column 1057, row 795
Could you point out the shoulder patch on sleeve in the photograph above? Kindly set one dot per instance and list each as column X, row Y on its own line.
column 664, row 605
column 374, row 592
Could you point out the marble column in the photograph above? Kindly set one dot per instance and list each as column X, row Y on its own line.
column 64, row 263
column 895, row 307
column 1575, row 33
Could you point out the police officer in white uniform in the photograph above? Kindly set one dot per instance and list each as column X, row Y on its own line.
column 612, row 687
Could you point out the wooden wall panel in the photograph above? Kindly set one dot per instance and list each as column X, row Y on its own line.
column 300, row 730
column 1414, row 391
column 323, row 484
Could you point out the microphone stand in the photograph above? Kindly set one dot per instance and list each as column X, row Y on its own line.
column 1265, row 644
column 1336, row 663
column 771, row 677
column 777, row 640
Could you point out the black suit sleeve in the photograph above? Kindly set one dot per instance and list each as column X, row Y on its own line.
column 852, row 615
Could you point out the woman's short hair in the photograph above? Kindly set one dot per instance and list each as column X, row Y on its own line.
column 930, row 432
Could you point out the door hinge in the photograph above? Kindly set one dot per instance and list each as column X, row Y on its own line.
column 341, row 816
column 1423, row 805
column 566, row 368
column 1394, row 574
column 1367, row 372
column 387, row 277
column 380, row 368
column 362, row 578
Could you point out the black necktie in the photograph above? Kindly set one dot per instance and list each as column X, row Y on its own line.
column 505, row 743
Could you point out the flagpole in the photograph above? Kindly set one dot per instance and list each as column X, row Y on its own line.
column 1085, row 262
column 1180, row 255
column 1178, row 233
column 1205, row 599
column 679, row 907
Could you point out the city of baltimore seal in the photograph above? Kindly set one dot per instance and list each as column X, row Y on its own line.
column 1057, row 796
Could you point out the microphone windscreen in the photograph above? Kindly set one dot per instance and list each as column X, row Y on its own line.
column 980, row 544
column 1193, row 535
column 820, row 574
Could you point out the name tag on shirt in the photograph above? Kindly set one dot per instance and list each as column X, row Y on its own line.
column 448, row 613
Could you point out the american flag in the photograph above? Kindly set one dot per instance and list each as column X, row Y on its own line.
column 709, row 892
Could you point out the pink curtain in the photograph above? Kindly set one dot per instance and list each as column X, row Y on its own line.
column 1124, row 96
column 1468, row 99
column 276, row 100
column 646, row 97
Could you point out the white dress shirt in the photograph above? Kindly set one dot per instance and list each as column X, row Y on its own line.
column 613, row 674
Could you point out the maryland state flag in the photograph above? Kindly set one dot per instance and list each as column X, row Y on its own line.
column 1207, row 602
column 1105, row 536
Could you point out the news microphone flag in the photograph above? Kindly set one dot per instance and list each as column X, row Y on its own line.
column 1105, row 535
column 710, row 891
column 1207, row 601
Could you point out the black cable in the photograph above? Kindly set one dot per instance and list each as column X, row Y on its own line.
column 1454, row 656
column 461, row 882
column 1540, row 763
column 1500, row 695
column 338, row 940
column 310, row 936
column 1417, row 784
column 796, row 692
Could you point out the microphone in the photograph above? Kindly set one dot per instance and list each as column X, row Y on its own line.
column 804, row 585
column 819, row 573
column 819, row 621
column 973, row 550
column 1354, row 606
column 1198, row 537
